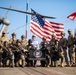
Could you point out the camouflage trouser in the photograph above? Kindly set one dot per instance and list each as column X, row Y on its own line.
column 75, row 55
column 0, row 58
column 10, row 59
column 65, row 56
column 54, row 59
column 71, row 51
column 22, row 60
column 62, row 58
column 54, row 63
column 47, row 60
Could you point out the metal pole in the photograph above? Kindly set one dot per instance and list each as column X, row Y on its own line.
column 26, row 19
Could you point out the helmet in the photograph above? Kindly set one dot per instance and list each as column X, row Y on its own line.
column 43, row 38
column 62, row 33
column 5, row 42
column 14, row 34
column 3, row 32
column 29, row 41
column 18, row 41
column 53, row 35
column 22, row 36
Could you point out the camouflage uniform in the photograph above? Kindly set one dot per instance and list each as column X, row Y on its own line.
column 55, row 53
column 23, row 41
column 19, row 54
column 7, row 54
column 12, row 43
column 51, row 45
column 3, row 38
column 63, row 45
column 75, row 46
column 1, row 53
column 71, row 48
column 30, row 49
column 43, row 47
column 13, row 40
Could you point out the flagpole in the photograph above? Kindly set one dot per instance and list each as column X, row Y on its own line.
column 26, row 20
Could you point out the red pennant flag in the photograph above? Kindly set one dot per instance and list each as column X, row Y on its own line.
column 72, row 16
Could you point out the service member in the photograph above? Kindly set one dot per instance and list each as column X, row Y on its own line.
column 63, row 45
column 71, row 48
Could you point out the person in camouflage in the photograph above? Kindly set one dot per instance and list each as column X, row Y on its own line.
column 7, row 54
column 1, row 53
column 55, row 53
column 20, row 54
column 3, row 38
column 13, row 40
column 75, row 45
column 63, row 45
column 12, row 43
column 43, row 48
column 30, row 49
column 51, row 45
column 71, row 48
column 24, row 42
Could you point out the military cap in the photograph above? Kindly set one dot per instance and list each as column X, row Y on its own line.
column 69, row 30
column 13, row 34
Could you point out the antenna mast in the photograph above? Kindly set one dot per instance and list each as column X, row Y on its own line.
column 26, row 19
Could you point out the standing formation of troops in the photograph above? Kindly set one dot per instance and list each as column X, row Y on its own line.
column 15, row 52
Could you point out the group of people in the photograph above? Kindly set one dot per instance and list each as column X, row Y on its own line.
column 15, row 52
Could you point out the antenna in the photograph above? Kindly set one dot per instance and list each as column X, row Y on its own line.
column 7, row 12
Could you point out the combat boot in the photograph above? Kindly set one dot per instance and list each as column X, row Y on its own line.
column 17, row 65
column 23, row 63
column 12, row 63
column 62, row 65
column 55, row 64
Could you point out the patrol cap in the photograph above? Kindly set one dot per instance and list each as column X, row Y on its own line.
column 14, row 34
column 69, row 30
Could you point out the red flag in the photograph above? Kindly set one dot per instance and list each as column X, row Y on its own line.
column 72, row 16
column 43, row 28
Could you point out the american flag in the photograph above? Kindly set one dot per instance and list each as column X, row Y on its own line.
column 43, row 28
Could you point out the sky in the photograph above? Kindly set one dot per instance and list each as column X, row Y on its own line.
column 55, row 8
